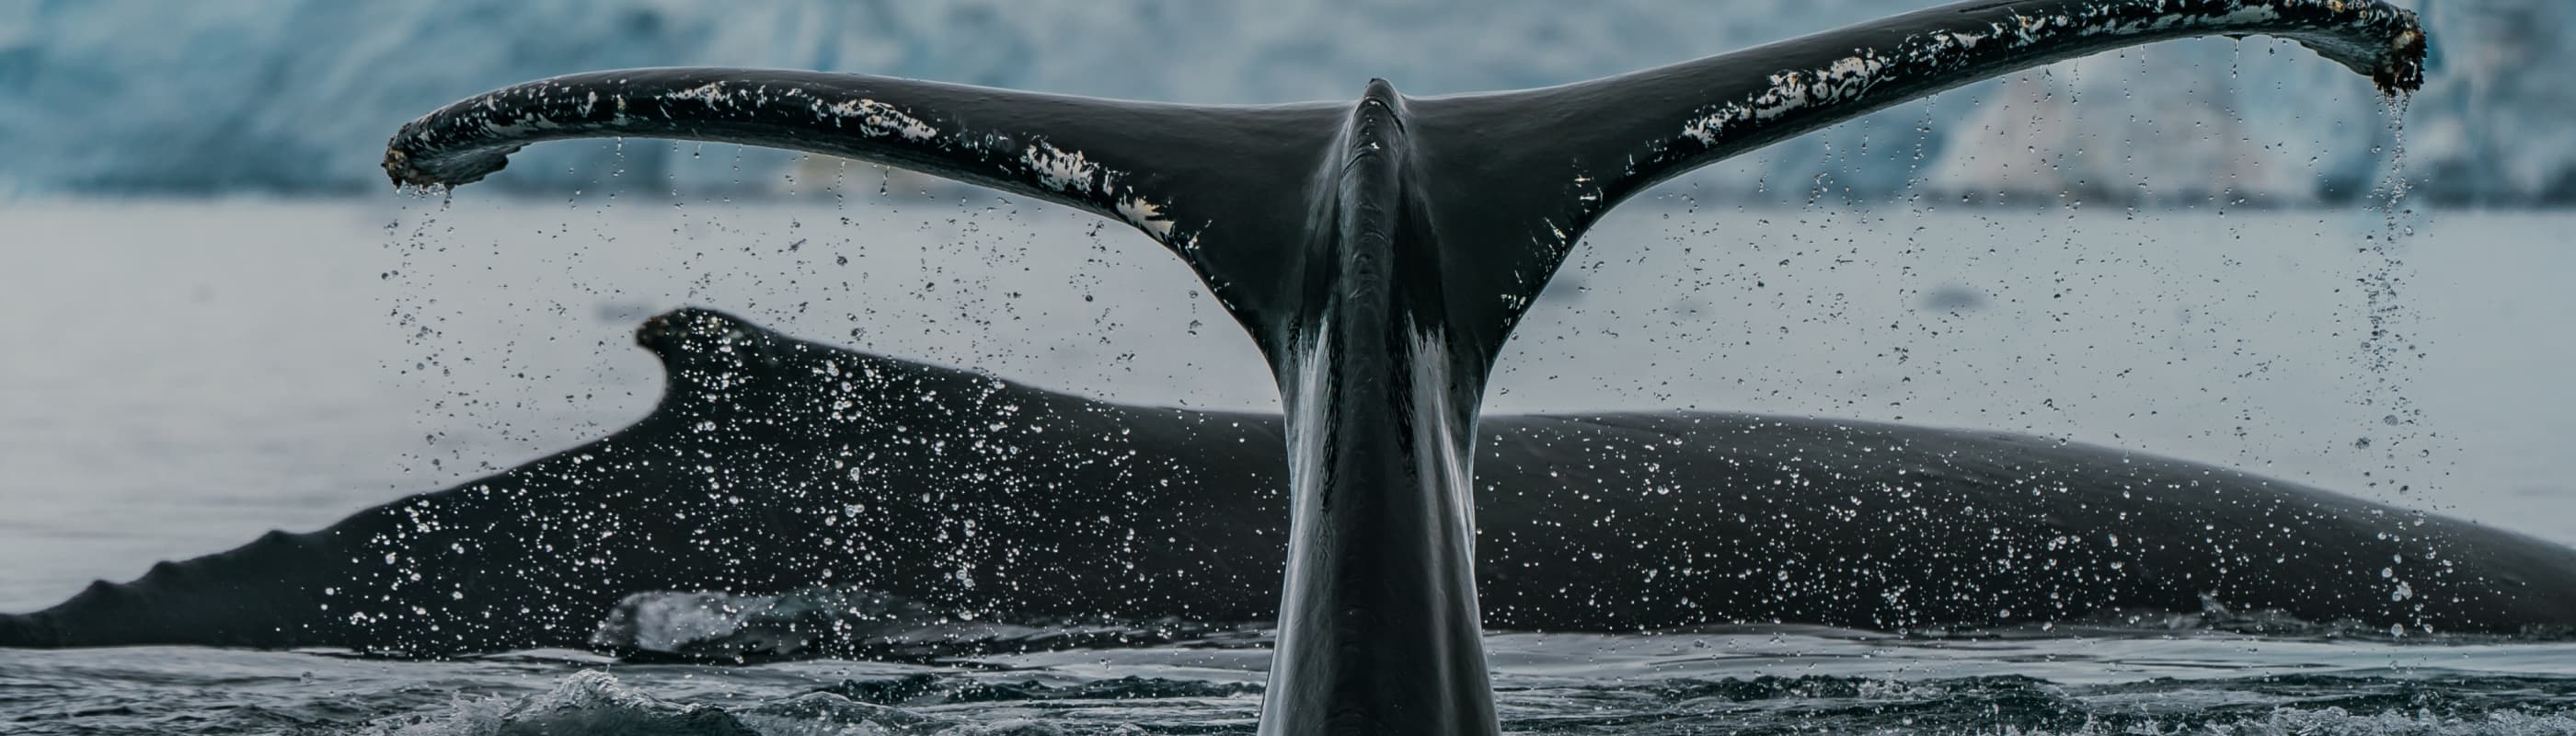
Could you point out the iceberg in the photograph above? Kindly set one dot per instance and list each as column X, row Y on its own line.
column 296, row 97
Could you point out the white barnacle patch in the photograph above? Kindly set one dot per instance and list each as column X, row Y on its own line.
column 1788, row 91
column 1845, row 79
column 711, row 93
column 1950, row 49
column 1852, row 67
column 877, row 118
column 1075, row 173
column 1060, row 170
column 1851, row 76
column 1146, row 216
column 1705, row 128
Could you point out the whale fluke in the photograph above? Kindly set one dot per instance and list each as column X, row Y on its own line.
column 1185, row 175
column 1377, row 252
column 1514, row 177
column 1559, row 157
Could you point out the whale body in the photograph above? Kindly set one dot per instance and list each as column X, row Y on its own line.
column 771, row 464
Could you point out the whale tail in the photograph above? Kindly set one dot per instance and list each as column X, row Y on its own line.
column 1236, row 190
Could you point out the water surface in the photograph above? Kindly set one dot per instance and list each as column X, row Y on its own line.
column 185, row 376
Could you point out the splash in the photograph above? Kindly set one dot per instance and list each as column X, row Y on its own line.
column 2388, row 347
column 956, row 703
column 854, row 623
column 586, row 702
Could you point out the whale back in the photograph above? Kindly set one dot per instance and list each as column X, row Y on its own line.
column 773, row 464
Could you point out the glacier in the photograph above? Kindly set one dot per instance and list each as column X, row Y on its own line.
column 296, row 97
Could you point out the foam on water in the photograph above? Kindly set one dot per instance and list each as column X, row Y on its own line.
column 593, row 702
column 705, row 626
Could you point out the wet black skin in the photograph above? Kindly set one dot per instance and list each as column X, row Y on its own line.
column 1378, row 253
column 772, row 464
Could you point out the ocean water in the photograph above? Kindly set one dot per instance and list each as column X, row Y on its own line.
column 1739, row 681
column 182, row 376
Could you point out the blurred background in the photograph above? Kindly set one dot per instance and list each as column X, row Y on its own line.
column 219, row 319
column 295, row 97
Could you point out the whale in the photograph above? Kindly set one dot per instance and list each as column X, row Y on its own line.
column 1378, row 252
column 769, row 465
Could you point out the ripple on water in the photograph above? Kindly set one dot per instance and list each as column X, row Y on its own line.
column 1769, row 680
